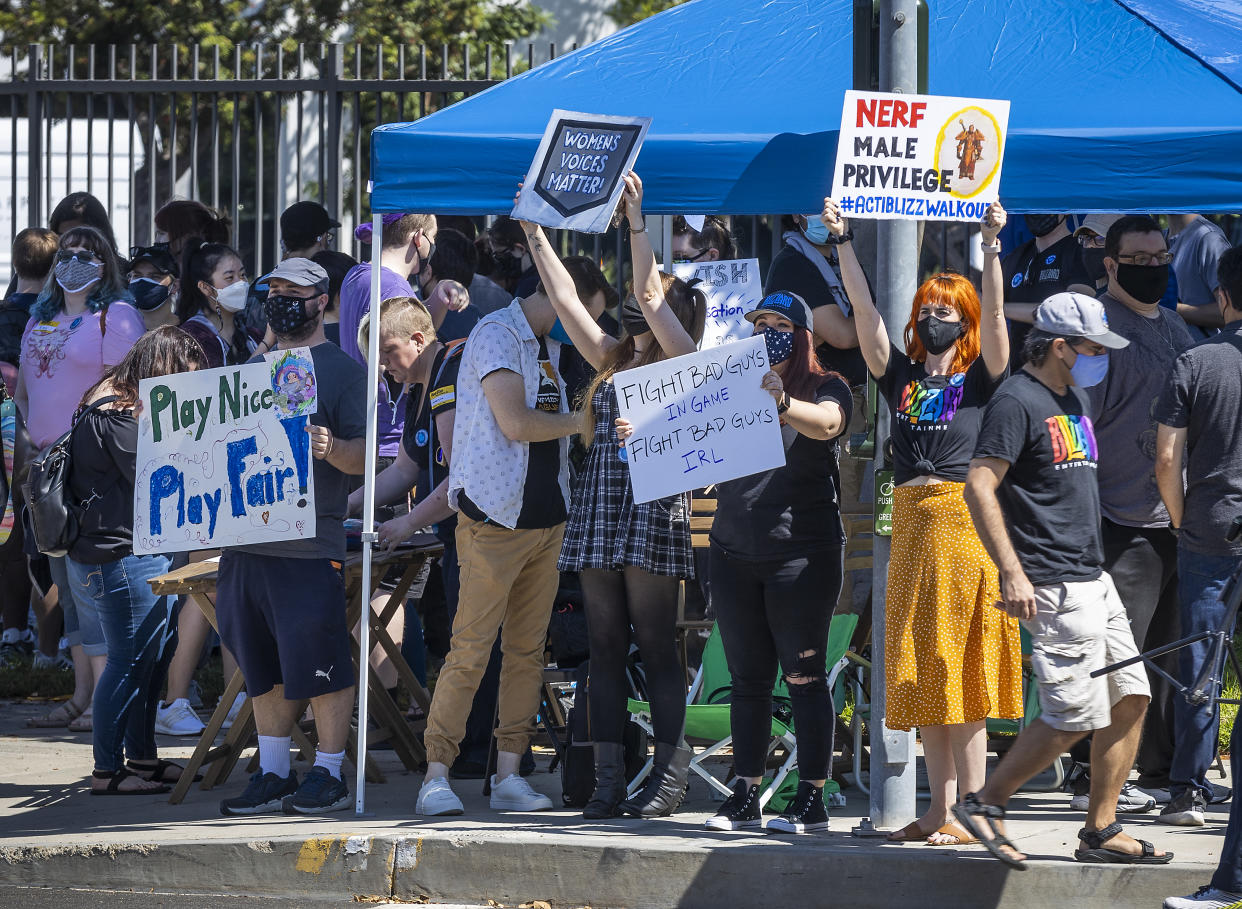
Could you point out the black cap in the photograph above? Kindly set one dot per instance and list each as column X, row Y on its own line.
column 304, row 219
column 158, row 255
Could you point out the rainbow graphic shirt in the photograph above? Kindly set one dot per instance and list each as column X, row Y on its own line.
column 926, row 404
column 1073, row 441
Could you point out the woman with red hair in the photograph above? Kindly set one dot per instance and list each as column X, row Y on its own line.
column 952, row 659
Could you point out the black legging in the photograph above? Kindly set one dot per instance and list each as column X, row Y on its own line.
column 772, row 612
column 615, row 601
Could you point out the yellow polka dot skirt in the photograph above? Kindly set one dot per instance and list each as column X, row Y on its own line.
column 952, row 656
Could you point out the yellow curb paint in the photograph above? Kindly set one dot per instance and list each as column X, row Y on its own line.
column 313, row 855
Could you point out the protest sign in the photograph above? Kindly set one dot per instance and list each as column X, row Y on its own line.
column 733, row 289
column 699, row 419
column 578, row 173
column 919, row 156
column 224, row 456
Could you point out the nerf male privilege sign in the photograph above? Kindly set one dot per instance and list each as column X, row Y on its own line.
column 577, row 175
column 924, row 157
column 224, row 456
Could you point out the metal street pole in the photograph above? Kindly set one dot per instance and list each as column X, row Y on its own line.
column 892, row 753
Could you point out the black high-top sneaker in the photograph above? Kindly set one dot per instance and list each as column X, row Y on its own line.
column 804, row 813
column 739, row 811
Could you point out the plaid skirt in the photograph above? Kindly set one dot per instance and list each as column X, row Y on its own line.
column 606, row 529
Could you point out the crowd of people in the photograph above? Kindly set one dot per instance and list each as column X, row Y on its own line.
column 1064, row 449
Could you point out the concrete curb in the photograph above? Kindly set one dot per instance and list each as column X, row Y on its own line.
column 596, row 870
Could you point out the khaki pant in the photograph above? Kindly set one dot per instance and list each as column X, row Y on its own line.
column 508, row 584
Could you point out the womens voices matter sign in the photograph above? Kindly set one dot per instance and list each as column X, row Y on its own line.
column 578, row 173
column 224, row 456
column 699, row 419
column 919, row 156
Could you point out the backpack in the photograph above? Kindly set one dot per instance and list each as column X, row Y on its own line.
column 578, row 768
column 54, row 516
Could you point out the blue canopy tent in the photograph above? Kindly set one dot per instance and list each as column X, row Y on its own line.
column 1132, row 105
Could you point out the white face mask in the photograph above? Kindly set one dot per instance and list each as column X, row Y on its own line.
column 233, row 297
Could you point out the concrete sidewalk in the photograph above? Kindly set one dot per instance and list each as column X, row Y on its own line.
column 54, row 834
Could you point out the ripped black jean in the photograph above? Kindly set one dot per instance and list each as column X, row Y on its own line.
column 775, row 614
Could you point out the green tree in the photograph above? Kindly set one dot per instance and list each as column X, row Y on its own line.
column 627, row 12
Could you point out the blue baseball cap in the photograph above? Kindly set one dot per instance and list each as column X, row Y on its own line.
column 787, row 305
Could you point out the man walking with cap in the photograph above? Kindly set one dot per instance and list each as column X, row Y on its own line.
column 1034, row 501
column 281, row 606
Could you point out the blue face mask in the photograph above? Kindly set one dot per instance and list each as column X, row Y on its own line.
column 816, row 230
column 779, row 344
column 559, row 334
column 1088, row 371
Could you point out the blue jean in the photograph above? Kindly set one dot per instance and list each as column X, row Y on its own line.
column 1228, row 876
column 140, row 642
column 1201, row 578
column 81, row 617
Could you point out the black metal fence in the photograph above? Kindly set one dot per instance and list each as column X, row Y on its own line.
column 245, row 129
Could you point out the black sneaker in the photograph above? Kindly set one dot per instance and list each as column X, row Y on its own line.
column 804, row 813
column 1220, row 794
column 264, row 795
column 739, row 810
column 320, row 792
column 1185, row 810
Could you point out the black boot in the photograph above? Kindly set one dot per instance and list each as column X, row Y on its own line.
column 609, row 782
column 666, row 786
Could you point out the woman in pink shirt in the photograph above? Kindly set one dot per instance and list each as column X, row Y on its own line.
column 82, row 324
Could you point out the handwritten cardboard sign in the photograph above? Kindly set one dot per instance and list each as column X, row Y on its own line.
column 919, row 156
column 224, row 456
column 578, row 172
column 699, row 419
column 733, row 289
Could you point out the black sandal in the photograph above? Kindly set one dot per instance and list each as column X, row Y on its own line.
column 1096, row 853
column 115, row 778
column 157, row 770
column 970, row 810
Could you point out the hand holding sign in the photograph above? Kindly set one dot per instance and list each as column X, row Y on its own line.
column 577, row 175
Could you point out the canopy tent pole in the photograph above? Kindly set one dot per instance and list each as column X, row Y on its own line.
column 892, row 752
column 368, row 513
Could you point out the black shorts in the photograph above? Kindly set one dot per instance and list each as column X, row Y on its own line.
column 284, row 620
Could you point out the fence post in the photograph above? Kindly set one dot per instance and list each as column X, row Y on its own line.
column 335, row 99
column 34, row 137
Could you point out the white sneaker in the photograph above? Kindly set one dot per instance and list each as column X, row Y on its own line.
column 178, row 718
column 514, row 794
column 1131, row 800
column 232, row 714
column 1205, row 898
column 437, row 799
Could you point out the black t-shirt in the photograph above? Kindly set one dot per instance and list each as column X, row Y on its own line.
column 792, row 510
column 332, row 331
column 14, row 314
column 1032, row 276
column 103, row 464
column 543, row 504
column 791, row 271
column 419, row 436
column 1049, row 494
column 934, row 418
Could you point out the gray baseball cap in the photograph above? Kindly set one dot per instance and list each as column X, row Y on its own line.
column 1072, row 315
column 302, row 272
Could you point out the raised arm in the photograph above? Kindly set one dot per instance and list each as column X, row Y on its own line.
column 993, row 333
column 982, row 482
column 672, row 338
column 589, row 339
column 872, row 335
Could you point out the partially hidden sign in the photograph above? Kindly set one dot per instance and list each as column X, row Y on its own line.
column 919, row 156
column 224, row 456
column 699, row 419
column 578, row 173
column 732, row 288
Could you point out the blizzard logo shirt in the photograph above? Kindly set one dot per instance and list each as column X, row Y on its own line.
column 548, row 398
column 1073, row 441
column 931, row 403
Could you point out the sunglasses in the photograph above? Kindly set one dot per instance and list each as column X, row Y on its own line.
column 67, row 255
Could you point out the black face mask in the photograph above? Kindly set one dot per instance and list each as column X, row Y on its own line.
column 287, row 315
column 1041, row 225
column 1145, row 283
column 938, row 335
column 1093, row 262
column 632, row 318
column 508, row 266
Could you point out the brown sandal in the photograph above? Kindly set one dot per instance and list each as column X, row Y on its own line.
column 83, row 723
column 960, row 834
column 911, row 833
column 57, row 718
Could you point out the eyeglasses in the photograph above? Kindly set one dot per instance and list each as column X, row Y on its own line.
column 1163, row 258
column 328, row 237
column 82, row 255
column 1090, row 241
column 685, row 258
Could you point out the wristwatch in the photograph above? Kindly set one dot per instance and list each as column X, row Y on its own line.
column 843, row 238
column 783, row 405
